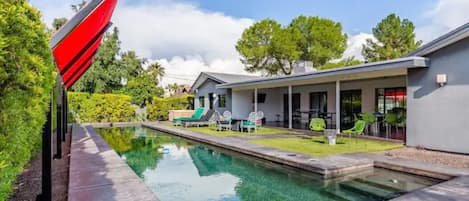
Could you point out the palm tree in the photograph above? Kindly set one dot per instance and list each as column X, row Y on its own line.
column 174, row 88
column 156, row 71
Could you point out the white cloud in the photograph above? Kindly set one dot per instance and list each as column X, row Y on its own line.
column 445, row 16
column 167, row 29
column 185, row 70
column 355, row 45
column 181, row 36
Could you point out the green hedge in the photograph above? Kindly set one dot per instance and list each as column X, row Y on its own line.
column 26, row 80
column 87, row 107
column 159, row 109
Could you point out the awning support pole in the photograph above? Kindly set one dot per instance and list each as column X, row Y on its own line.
column 58, row 154
column 46, row 194
column 64, row 113
column 290, row 108
column 337, row 106
column 255, row 100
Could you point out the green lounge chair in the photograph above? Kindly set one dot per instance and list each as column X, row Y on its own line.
column 357, row 129
column 205, row 120
column 196, row 116
column 317, row 124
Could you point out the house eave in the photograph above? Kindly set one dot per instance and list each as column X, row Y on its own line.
column 407, row 62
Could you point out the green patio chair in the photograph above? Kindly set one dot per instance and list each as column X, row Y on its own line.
column 390, row 119
column 196, row 116
column 357, row 129
column 370, row 119
column 317, row 124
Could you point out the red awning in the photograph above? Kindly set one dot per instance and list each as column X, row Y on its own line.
column 76, row 43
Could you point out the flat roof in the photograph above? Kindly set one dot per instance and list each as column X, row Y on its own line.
column 406, row 62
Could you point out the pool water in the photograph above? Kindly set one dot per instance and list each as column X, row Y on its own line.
column 176, row 169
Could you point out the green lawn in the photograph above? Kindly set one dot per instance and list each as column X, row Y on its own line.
column 317, row 147
column 213, row 131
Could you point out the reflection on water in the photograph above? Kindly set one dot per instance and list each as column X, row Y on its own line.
column 179, row 170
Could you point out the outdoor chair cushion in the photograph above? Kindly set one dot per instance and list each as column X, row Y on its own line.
column 197, row 115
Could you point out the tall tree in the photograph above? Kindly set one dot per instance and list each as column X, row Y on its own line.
column 268, row 48
column 395, row 38
column 132, row 64
column 320, row 39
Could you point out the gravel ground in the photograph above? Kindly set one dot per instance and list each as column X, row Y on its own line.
column 436, row 157
column 28, row 184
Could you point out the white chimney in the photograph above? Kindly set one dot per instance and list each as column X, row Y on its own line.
column 303, row 67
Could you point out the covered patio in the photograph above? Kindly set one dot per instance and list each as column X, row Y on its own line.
column 339, row 96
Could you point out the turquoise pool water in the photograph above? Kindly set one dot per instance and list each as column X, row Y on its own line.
column 176, row 169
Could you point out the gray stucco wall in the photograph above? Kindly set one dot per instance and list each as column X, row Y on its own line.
column 209, row 86
column 438, row 117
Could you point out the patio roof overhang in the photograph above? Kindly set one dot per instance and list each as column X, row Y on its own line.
column 387, row 68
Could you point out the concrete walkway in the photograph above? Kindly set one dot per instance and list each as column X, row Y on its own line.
column 98, row 173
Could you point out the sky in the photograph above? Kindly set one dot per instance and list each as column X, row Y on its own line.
column 190, row 36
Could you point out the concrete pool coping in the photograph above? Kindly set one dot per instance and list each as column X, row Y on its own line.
column 330, row 166
column 98, row 173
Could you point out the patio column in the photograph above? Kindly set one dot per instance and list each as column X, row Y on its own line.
column 337, row 106
column 290, row 107
column 255, row 100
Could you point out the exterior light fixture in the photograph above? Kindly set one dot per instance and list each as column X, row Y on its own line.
column 441, row 79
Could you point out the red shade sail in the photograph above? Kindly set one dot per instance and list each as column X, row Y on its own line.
column 75, row 44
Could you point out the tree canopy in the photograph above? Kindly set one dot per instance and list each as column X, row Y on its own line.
column 395, row 38
column 268, row 47
column 320, row 39
column 342, row 63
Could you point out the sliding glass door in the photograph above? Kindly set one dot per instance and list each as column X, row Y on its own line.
column 350, row 107
column 317, row 103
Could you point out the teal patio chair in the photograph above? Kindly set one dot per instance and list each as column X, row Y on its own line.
column 196, row 116
column 317, row 124
column 250, row 123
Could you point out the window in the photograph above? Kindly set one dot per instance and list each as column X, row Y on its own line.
column 389, row 99
column 222, row 101
column 201, row 101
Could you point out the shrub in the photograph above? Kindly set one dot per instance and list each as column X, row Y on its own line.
column 26, row 80
column 96, row 108
column 159, row 109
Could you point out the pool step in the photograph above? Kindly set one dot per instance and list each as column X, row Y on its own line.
column 383, row 184
column 370, row 191
column 338, row 195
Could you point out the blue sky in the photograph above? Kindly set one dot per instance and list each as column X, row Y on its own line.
column 190, row 36
column 355, row 15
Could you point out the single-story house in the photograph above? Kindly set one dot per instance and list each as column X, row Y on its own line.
column 430, row 86
column 207, row 95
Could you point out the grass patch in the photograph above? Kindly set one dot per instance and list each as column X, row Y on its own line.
column 317, row 146
column 213, row 131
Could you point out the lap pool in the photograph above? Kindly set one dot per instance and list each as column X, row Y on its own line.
column 176, row 169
